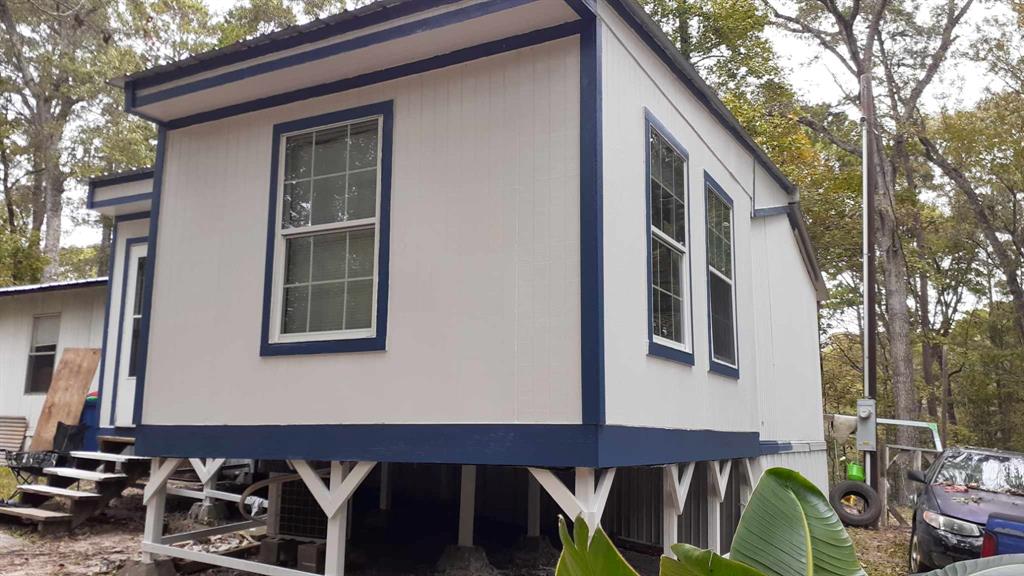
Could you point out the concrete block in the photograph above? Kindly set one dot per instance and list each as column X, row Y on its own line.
column 157, row 568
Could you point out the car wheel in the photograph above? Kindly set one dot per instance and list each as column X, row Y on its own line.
column 917, row 565
column 856, row 503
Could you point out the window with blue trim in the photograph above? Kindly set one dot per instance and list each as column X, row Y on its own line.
column 669, row 252
column 327, row 232
column 721, row 279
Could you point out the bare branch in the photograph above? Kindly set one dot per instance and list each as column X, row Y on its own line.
column 827, row 134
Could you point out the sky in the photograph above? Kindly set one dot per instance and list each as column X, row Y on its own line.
column 812, row 74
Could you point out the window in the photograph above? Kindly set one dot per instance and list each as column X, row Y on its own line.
column 329, row 233
column 669, row 262
column 721, row 280
column 42, row 355
column 136, row 318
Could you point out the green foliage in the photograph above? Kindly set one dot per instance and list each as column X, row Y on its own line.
column 80, row 262
column 586, row 556
column 21, row 261
column 790, row 529
column 1006, row 565
column 692, row 561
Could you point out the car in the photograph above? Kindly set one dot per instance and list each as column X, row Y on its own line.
column 960, row 490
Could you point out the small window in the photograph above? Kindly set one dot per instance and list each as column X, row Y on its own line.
column 328, row 231
column 721, row 280
column 42, row 355
column 140, row 281
column 669, row 264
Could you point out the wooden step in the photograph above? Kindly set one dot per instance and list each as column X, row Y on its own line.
column 35, row 514
column 45, row 490
column 108, row 457
column 79, row 474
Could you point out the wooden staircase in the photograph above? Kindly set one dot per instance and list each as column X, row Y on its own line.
column 109, row 471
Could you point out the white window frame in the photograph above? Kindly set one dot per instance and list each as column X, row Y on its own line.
column 684, row 281
column 282, row 234
column 135, row 253
column 32, row 352
column 709, row 189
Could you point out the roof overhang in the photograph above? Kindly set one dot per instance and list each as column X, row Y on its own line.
column 52, row 287
column 353, row 47
column 121, row 193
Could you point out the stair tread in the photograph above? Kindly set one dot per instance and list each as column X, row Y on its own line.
column 37, row 514
column 80, row 474
column 107, row 456
column 55, row 491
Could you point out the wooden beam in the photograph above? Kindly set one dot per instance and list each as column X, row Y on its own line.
column 532, row 507
column 558, row 492
column 467, row 505
column 149, row 548
column 160, row 470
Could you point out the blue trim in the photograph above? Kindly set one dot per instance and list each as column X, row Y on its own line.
column 267, row 44
column 121, row 431
column 429, row 23
column 654, row 348
column 592, row 368
column 771, row 211
column 111, row 258
column 128, row 243
column 420, row 66
column 54, row 287
column 710, row 184
column 378, row 341
column 547, row 445
column 775, row 447
column 584, row 8
column 92, row 204
column 147, row 293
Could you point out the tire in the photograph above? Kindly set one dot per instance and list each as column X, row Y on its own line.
column 914, row 562
column 872, row 504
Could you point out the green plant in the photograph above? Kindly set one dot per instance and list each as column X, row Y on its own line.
column 787, row 529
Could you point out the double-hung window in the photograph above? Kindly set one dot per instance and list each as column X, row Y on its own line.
column 721, row 280
column 669, row 263
column 327, row 233
column 42, row 354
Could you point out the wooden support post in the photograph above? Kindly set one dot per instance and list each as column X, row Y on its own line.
column 334, row 500
column 337, row 527
column 385, row 486
column 587, row 502
column 532, row 507
column 718, row 481
column 674, row 494
column 156, row 490
column 467, row 505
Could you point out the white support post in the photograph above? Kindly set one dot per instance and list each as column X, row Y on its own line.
column 208, row 471
column 467, row 505
column 532, row 507
column 752, row 471
column 673, row 500
column 155, row 496
column 385, row 486
column 718, row 480
column 337, row 527
column 589, row 499
column 334, row 501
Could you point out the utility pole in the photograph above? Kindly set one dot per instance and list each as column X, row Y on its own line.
column 870, row 337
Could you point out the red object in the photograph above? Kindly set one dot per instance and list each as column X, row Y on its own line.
column 989, row 545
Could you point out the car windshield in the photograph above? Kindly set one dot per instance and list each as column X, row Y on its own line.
column 1002, row 473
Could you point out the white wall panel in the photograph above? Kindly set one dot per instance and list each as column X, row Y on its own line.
column 484, row 272
column 81, row 326
column 812, row 465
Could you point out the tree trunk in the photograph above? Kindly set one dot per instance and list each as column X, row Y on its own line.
column 54, row 208
column 103, row 265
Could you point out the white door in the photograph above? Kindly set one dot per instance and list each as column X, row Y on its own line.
column 131, row 322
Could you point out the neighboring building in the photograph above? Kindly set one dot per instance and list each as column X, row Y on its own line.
column 512, row 233
column 36, row 324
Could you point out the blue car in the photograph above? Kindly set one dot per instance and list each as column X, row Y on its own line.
column 960, row 491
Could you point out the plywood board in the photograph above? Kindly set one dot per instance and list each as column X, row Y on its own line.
column 66, row 396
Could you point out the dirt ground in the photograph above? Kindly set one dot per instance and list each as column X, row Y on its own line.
column 882, row 552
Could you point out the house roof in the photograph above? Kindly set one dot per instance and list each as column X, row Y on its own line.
column 114, row 178
column 53, row 286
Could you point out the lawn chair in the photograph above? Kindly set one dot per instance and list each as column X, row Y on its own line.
column 12, row 435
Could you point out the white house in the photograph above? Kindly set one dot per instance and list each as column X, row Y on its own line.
column 516, row 233
column 36, row 324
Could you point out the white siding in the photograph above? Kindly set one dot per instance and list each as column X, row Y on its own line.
column 779, row 390
column 81, row 326
column 788, row 368
column 641, row 389
column 484, row 271
column 813, row 465
column 125, row 231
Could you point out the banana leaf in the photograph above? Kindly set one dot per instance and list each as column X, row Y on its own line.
column 789, row 529
column 1008, row 565
column 586, row 556
column 693, row 561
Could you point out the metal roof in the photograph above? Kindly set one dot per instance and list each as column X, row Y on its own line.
column 53, row 286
